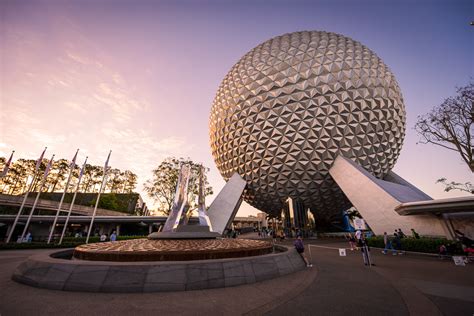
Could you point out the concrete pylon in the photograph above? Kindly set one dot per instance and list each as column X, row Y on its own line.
column 225, row 206
column 376, row 199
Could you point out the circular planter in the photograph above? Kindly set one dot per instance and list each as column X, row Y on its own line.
column 52, row 270
column 172, row 250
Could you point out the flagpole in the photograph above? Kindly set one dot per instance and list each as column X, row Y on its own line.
column 73, row 164
column 45, row 175
column 73, row 200
column 21, row 209
column 38, row 163
column 98, row 197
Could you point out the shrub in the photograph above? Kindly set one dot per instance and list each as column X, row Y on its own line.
column 424, row 244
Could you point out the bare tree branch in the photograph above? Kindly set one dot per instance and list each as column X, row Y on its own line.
column 450, row 124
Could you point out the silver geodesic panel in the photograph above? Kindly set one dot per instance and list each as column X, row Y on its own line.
column 292, row 104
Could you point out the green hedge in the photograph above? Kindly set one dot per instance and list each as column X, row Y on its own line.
column 426, row 245
column 68, row 242
column 36, row 245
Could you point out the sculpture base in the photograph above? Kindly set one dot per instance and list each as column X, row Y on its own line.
column 184, row 235
column 172, row 250
column 186, row 232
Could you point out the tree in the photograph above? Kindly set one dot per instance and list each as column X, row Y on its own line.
column 60, row 170
column 26, row 168
column 448, row 186
column 22, row 171
column 352, row 213
column 114, row 180
column 450, row 125
column 162, row 187
column 91, row 178
column 15, row 179
column 129, row 181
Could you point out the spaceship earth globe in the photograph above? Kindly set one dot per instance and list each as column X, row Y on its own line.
column 291, row 105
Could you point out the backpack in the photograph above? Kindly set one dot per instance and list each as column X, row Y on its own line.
column 299, row 246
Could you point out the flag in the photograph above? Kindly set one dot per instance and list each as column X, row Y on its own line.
column 82, row 171
column 73, row 162
column 107, row 162
column 46, row 171
column 7, row 166
column 40, row 159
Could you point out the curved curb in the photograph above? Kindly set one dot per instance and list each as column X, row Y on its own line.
column 44, row 271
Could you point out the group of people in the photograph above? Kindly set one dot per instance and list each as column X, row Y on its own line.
column 265, row 232
column 359, row 241
column 450, row 248
column 394, row 243
column 113, row 237
column 28, row 238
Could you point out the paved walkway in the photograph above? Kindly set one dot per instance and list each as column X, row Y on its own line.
column 397, row 285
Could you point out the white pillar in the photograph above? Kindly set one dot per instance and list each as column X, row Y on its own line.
column 9, row 228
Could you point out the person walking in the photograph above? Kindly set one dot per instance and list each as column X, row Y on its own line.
column 352, row 241
column 274, row 235
column 388, row 244
column 365, row 249
column 103, row 237
column 299, row 246
column 358, row 234
column 113, row 236
column 398, row 242
column 401, row 234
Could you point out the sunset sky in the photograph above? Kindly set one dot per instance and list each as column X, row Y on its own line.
column 139, row 77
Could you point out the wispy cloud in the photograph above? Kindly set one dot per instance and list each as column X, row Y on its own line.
column 77, row 58
column 78, row 98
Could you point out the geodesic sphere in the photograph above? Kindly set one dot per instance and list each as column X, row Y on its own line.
column 291, row 105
